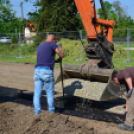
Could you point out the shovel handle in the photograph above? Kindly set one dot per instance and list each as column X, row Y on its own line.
column 62, row 80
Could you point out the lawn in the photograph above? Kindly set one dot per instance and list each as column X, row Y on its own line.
column 73, row 52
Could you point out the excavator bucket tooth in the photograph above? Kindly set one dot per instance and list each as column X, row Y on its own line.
column 89, row 83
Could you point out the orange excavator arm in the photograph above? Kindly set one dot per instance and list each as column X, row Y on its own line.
column 87, row 11
column 100, row 41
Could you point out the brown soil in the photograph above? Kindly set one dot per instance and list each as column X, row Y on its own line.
column 17, row 116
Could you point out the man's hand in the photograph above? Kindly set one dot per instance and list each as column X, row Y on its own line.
column 130, row 85
column 59, row 50
column 59, row 60
column 116, row 80
column 129, row 93
column 59, row 44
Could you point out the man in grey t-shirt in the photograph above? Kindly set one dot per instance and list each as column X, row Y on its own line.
column 126, row 77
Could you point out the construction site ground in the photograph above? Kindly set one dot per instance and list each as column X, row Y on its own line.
column 17, row 113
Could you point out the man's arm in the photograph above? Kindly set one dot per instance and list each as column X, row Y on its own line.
column 59, row 51
column 129, row 82
column 130, row 86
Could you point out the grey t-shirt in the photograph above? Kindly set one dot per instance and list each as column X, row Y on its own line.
column 126, row 73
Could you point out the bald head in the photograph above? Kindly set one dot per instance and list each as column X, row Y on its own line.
column 50, row 38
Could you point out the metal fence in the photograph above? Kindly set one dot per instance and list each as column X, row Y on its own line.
column 22, row 41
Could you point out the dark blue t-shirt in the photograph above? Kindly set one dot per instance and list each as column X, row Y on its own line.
column 46, row 54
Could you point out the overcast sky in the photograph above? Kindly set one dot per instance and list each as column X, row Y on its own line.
column 128, row 5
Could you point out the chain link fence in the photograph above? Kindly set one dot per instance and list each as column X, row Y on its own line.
column 22, row 45
column 124, row 38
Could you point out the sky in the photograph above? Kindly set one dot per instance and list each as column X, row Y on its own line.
column 128, row 5
column 27, row 7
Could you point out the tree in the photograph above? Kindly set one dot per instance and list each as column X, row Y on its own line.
column 8, row 21
column 109, row 10
column 80, row 24
column 60, row 15
column 33, row 16
column 118, row 9
column 57, row 16
column 117, row 13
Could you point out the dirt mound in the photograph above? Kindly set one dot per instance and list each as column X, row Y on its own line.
column 17, row 117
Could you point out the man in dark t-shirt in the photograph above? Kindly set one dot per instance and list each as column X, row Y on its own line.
column 126, row 77
column 43, row 74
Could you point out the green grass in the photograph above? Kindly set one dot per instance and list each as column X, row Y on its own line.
column 121, row 64
column 72, row 52
column 118, row 63
column 125, row 45
column 18, row 59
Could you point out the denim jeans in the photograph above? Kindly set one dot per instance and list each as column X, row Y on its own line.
column 42, row 78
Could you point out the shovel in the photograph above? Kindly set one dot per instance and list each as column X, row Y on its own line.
column 59, row 44
column 62, row 83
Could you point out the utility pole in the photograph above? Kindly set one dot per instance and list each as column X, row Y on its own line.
column 22, row 16
column 20, row 37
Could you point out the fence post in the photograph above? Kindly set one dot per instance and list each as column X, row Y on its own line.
column 128, row 45
column 47, row 33
column 80, row 44
column 20, row 45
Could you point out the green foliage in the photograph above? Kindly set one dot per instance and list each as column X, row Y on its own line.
column 8, row 21
column 62, row 15
column 56, row 16
column 117, row 13
column 109, row 10
column 120, row 52
column 33, row 16
column 39, row 38
column 120, row 33
column 9, row 50
column 14, row 39
column 122, row 19
column 28, row 50
column 72, row 52
column 80, row 24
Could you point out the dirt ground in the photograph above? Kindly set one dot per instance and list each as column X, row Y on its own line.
column 17, row 114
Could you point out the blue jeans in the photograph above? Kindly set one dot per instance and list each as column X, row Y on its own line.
column 43, row 77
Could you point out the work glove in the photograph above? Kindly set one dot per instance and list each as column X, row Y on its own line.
column 59, row 60
column 129, row 93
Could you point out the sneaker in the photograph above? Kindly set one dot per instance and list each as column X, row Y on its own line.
column 125, row 127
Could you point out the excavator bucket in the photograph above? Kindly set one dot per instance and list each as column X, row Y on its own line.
column 88, row 82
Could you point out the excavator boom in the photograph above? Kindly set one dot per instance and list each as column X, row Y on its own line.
column 100, row 41
column 87, row 11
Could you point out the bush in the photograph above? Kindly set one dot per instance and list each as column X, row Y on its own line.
column 119, row 52
column 14, row 39
column 39, row 38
